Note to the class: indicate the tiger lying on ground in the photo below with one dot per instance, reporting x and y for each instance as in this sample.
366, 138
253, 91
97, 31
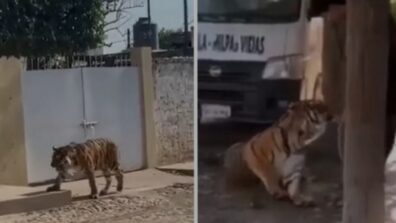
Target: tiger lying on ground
276, 156
92, 155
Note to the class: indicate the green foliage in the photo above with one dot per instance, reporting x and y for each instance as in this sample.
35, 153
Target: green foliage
169, 38
48, 27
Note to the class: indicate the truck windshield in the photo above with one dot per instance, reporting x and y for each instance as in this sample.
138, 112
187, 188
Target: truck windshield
249, 11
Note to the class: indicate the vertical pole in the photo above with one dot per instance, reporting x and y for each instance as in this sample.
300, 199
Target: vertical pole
367, 67
149, 12
128, 39
186, 37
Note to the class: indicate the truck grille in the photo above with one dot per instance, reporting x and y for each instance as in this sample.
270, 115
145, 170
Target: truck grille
230, 71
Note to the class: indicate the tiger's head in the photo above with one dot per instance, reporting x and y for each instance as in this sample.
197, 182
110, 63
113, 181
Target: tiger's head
309, 119
62, 157
315, 110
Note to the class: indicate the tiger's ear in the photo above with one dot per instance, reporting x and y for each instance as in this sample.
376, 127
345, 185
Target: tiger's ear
54, 148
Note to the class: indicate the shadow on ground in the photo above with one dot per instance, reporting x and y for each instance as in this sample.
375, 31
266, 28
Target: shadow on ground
217, 205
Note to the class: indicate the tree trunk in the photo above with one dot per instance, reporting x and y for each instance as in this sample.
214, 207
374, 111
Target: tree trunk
367, 58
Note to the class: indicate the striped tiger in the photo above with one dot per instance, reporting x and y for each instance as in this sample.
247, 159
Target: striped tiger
92, 155
276, 156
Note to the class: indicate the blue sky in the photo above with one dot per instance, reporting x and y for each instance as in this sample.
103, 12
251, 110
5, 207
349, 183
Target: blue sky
165, 13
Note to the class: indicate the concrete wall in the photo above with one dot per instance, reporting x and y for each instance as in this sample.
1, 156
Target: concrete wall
13, 168
174, 109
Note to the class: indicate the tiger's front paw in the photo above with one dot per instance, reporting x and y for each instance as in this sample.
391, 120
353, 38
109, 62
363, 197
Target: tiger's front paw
103, 192
93, 196
280, 194
119, 188
304, 201
53, 188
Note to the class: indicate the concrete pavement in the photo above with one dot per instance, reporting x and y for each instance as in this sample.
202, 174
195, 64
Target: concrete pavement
133, 182
21, 199
186, 168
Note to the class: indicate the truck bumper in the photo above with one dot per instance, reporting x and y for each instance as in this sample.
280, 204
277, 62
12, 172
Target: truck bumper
256, 102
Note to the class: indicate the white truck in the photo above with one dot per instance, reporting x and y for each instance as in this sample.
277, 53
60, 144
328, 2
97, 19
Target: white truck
250, 58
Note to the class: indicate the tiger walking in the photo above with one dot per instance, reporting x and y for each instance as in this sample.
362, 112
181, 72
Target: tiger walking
88, 157
276, 156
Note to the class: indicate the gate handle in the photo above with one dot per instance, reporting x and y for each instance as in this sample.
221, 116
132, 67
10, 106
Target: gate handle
86, 124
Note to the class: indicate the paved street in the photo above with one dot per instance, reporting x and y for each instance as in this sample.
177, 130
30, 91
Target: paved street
150, 196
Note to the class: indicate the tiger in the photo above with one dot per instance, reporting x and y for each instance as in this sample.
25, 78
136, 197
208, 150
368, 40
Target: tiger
275, 156
89, 156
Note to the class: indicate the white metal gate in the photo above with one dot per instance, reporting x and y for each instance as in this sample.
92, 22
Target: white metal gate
75, 104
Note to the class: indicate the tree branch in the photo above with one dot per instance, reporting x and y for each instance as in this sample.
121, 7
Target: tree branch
118, 12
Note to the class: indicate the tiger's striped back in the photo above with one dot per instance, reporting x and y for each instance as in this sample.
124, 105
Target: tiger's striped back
97, 154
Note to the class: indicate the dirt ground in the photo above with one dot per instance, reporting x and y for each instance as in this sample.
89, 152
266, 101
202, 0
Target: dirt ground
217, 205
167, 205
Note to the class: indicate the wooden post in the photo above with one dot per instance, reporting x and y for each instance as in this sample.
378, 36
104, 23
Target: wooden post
334, 59
367, 57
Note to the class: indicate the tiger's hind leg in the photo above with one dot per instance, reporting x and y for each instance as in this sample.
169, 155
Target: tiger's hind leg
267, 174
270, 179
92, 184
272, 184
120, 179
107, 176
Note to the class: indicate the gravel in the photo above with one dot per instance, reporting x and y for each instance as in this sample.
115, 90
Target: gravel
170, 204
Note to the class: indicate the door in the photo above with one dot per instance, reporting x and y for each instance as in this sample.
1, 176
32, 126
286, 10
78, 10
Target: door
113, 105
53, 110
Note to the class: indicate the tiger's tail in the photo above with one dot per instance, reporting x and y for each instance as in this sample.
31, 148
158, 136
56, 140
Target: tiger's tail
224, 159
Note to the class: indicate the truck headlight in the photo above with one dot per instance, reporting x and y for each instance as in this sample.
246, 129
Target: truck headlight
283, 67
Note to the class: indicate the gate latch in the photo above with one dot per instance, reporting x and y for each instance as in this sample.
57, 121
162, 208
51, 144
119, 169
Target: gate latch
87, 124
